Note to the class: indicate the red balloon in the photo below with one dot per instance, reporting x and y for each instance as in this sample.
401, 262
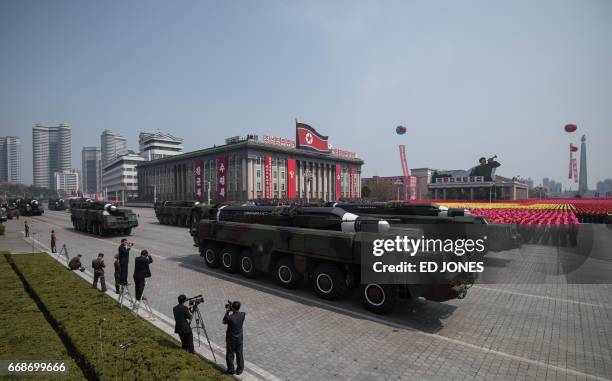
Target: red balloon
570, 128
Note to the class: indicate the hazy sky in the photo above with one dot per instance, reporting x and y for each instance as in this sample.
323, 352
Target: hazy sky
468, 78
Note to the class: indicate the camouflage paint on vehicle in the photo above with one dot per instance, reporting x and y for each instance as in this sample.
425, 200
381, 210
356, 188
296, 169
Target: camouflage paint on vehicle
174, 212
101, 218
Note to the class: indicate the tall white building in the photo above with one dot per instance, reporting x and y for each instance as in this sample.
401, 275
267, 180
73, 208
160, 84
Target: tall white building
120, 179
112, 146
68, 182
10, 159
91, 170
51, 152
157, 145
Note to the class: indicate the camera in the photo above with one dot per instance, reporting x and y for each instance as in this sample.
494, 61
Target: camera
195, 300
228, 306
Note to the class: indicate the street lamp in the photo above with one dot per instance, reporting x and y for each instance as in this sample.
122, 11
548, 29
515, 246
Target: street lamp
398, 182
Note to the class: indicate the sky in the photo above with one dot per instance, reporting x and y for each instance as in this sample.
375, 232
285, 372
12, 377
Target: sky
467, 78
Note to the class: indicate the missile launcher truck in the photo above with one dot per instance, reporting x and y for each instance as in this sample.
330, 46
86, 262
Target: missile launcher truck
29, 207
56, 204
101, 217
317, 245
174, 212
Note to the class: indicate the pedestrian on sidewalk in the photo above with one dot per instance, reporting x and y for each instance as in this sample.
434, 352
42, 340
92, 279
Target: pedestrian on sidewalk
53, 242
117, 266
26, 227
98, 266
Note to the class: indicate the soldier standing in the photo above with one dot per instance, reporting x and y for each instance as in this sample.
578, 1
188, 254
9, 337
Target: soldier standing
98, 266
53, 242
117, 266
26, 227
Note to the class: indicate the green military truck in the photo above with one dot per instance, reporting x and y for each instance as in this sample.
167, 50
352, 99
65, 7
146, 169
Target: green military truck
29, 207
317, 245
174, 212
55, 203
101, 217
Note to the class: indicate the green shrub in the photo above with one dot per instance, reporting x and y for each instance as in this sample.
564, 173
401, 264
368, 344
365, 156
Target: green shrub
77, 307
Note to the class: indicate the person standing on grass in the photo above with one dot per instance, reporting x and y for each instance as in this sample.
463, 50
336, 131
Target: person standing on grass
53, 242
98, 266
26, 227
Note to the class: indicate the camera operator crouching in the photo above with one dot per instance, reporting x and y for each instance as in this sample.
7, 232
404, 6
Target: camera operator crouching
233, 336
182, 318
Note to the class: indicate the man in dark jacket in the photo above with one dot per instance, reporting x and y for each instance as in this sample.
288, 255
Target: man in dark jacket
141, 272
233, 337
485, 169
117, 267
182, 318
124, 259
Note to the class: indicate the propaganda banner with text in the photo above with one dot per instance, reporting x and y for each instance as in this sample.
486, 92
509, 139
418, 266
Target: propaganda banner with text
308, 138
199, 186
291, 178
352, 182
222, 178
338, 182
268, 176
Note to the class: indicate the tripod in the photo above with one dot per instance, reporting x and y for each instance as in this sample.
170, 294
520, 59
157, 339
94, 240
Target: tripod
199, 325
63, 252
145, 303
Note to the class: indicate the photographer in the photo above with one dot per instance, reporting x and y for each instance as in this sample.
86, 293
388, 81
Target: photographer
233, 337
182, 318
141, 272
75, 263
124, 259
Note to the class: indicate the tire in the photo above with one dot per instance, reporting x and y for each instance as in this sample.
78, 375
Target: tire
103, 231
74, 224
210, 252
247, 264
230, 259
286, 274
378, 298
328, 282
128, 231
186, 221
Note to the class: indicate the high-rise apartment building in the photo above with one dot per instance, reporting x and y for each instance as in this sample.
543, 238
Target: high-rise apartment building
68, 182
91, 170
10, 159
157, 145
112, 146
51, 152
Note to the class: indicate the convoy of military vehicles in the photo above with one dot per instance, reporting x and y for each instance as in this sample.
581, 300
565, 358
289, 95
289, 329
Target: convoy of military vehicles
56, 204
101, 217
174, 212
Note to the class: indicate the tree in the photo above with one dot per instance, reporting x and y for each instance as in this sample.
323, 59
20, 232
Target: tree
382, 191
365, 191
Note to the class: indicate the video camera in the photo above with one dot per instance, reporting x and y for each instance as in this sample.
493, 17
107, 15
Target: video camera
228, 305
195, 300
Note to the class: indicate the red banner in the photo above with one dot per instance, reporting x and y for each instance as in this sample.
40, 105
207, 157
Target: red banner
291, 178
338, 182
221, 178
199, 183
268, 176
352, 180
309, 139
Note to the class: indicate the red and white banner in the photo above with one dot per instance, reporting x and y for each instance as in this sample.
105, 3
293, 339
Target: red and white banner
338, 182
352, 181
222, 178
199, 183
268, 176
291, 178
308, 138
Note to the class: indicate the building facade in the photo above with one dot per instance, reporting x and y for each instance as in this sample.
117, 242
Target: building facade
112, 146
91, 170
247, 169
475, 188
68, 182
51, 152
120, 179
156, 145
10, 159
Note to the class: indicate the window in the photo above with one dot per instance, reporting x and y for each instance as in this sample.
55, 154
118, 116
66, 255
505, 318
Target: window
259, 186
283, 175
275, 174
258, 173
275, 187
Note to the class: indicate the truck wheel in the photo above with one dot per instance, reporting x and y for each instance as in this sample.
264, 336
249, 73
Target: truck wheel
74, 224
128, 231
378, 298
286, 274
186, 221
210, 252
328, 282
247, 264
103, 231
230, 259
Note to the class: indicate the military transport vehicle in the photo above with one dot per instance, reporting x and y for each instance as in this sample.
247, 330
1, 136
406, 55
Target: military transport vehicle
174, 212
29, 207
319, 245
56, 204
101, 217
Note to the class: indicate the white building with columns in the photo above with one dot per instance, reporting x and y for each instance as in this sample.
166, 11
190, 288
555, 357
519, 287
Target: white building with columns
249, 169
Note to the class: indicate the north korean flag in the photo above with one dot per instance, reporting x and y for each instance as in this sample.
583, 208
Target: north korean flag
309, 139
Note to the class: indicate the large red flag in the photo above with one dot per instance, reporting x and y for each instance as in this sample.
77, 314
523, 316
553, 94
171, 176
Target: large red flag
291, 178
338, 178
268, 176
309, 139
222, 178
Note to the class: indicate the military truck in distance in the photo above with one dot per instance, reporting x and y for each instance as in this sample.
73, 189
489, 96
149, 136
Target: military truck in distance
29, 207
56, 204
322, 245
101, 217
174, 212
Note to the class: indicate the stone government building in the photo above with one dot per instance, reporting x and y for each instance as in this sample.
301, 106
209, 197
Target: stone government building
247, 169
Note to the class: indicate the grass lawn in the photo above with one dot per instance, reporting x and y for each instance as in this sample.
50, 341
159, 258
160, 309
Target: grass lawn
24, 332
77, 307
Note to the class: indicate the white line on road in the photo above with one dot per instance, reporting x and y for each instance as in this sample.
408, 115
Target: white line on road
538, 296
